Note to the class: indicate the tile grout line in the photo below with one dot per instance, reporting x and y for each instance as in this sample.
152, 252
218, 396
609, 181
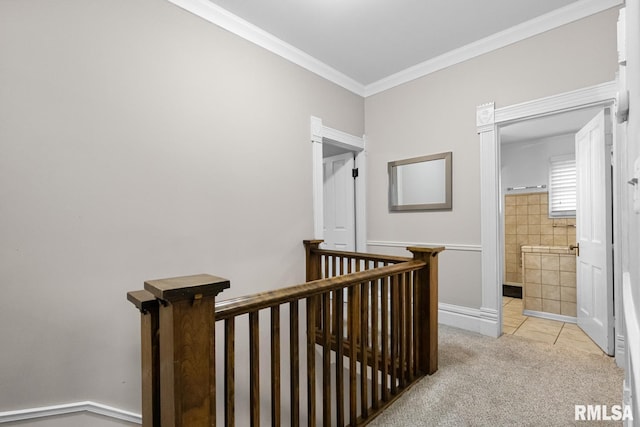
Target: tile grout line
559, 332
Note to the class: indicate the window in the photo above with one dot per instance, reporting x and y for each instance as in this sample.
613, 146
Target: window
562, 186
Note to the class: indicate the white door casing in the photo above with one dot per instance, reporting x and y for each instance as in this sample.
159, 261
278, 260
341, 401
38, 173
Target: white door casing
323, 134
488, 121
339, 202
594, 231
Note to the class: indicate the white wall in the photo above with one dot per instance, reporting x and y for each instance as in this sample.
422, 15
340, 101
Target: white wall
436, 113
137, 142
631, 219
526, 163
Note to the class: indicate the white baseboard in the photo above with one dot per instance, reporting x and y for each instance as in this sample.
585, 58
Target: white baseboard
550, 316
632, 323
483, 321
70, 408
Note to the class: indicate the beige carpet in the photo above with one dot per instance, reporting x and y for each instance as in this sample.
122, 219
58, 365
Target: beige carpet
508, 381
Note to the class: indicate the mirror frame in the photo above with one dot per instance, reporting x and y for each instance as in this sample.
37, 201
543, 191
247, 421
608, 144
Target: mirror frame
392, 168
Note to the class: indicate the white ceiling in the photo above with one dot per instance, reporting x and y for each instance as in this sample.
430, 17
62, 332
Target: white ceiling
548, 126
369, 40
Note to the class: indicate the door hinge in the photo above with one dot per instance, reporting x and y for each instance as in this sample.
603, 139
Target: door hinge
354, 172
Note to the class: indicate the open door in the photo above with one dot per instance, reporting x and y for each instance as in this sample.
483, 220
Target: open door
339, 202
594, 231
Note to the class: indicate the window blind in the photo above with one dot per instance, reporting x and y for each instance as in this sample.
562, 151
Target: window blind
562, 186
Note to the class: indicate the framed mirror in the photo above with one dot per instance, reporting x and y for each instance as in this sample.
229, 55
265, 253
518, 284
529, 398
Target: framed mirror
421, 183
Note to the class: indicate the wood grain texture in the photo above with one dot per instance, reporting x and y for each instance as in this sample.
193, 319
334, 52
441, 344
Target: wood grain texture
427, 303
311, 360
254, 368
229, 372
275, 366
259, 301
391, 339
150, 355
294, 360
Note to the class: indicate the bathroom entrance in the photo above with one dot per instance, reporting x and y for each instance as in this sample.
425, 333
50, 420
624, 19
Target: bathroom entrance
541, 211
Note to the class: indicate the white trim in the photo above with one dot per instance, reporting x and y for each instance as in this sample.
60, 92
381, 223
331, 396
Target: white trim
490, 200
317, 177
632, 323
550, 316
213, 13
565, 15
70, 408
447, 246
342, 139
209, 11
320, 134
576, 99
361, 199
482, 320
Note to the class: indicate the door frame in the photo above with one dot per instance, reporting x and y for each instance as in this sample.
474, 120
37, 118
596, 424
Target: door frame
488, 121
320, 135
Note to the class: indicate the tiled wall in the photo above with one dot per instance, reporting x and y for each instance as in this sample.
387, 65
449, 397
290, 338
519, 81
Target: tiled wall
549, 279
527, 223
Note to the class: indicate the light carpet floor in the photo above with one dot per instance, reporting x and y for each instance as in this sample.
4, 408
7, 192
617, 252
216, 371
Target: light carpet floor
510, 381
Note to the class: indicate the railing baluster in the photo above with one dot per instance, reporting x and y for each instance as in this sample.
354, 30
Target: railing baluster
391, 339
254, 368
311, 361
327, 266
353, 345
375, 352
364, 347
409, 323
394, 334
401, 331
339, 333
275, 366
385, 338
294, 355
229, 372
326, 359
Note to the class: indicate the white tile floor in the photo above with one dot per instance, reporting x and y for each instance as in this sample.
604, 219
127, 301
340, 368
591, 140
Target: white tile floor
552, 332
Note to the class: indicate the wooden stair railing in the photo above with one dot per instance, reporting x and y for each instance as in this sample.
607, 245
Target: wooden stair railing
361, 351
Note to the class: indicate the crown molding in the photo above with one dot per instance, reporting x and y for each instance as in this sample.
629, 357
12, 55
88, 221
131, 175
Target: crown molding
565, 15
213, 13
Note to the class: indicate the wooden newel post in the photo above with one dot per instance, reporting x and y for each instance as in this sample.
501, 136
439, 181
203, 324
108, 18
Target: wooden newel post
314, 264
150, 355
187, 348
427, 303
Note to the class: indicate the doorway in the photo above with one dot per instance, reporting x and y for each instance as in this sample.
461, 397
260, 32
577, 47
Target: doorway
539, 177
339, 204
488, 121
326, 143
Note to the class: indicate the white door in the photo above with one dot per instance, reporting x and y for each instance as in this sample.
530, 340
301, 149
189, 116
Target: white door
594, 231
339, 202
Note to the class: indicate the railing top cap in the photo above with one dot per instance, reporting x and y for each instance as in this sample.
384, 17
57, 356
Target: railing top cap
426, 248
143, 300
186, 287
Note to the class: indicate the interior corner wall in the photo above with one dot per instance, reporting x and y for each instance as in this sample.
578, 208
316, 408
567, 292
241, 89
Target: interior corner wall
437, 113
138, 141
631, 218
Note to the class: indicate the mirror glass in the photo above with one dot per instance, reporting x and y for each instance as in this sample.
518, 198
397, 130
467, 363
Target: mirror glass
420, 183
